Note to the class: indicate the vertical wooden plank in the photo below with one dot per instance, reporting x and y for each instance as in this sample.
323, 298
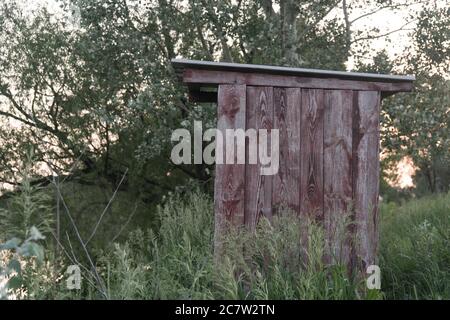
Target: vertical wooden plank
258, 188
229, 181
287, 107
366, 169
311, 158
337, 170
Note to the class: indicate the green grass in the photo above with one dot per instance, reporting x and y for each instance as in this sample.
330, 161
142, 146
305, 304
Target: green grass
174, 259
415, 249
177, 262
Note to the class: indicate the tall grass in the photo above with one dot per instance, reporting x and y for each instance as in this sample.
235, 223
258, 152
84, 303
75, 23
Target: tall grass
280, 260
29, 206
181, 252
415, 249
177, 262
284, 259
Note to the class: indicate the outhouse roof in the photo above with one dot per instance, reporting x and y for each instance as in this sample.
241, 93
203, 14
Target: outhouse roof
182, 64
202, 77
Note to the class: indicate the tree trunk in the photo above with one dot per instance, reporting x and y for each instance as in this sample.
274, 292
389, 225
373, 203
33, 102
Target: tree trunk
289, 37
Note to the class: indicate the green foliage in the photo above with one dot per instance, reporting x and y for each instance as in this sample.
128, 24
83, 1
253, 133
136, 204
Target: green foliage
282, 260
92, 87
18, 253
87, 203
28, 206
92, 90
125, 276
180, 264
417, 124
177, 262
415, 242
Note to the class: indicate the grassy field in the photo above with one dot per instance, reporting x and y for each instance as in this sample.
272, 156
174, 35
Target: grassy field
415, 249
173, 260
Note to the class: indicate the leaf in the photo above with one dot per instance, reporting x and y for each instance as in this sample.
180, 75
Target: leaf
14, 283
35, 234
31, 249
10, 244
14, 265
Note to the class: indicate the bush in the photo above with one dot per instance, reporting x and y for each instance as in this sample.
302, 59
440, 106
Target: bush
15, 254
29, 205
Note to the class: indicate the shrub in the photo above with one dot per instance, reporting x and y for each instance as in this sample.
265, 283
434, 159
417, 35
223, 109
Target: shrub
29, 205
18, 253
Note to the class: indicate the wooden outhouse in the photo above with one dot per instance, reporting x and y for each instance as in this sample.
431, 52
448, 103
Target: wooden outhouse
328, 124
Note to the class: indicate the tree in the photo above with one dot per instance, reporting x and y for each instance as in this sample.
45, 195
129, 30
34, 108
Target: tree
92, 86
100, 94
417, 124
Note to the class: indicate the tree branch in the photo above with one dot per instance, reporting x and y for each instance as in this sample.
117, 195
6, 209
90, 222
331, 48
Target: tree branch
402, 28
390, 6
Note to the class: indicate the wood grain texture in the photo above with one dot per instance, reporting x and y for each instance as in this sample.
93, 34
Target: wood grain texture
180, 64
258, 188
229, 188
337, 170
366, 168
287, 106
311, 157
329, 164
210, 77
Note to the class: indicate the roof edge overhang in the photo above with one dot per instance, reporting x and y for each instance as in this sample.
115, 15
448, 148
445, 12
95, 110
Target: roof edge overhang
202, 77
182, 64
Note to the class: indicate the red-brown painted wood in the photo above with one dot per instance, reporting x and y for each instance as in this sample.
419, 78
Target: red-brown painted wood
366, 170
311, 157
229, 189
329, 148
287, 104
337, 170
258, 188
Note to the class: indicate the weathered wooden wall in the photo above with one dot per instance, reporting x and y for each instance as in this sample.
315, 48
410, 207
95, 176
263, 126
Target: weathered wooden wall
329, 162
